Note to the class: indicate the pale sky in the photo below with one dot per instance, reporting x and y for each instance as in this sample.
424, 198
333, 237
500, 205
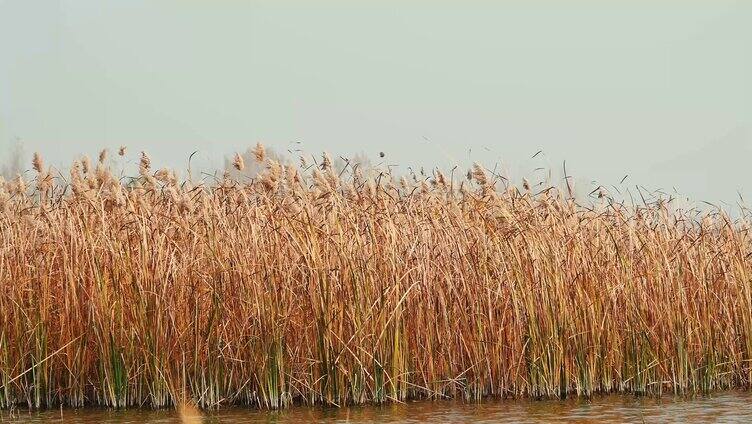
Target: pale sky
659, 90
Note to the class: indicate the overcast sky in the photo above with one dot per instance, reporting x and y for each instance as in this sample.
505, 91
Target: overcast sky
659, 90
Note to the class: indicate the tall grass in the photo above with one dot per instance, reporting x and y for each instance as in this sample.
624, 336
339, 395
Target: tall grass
307, 286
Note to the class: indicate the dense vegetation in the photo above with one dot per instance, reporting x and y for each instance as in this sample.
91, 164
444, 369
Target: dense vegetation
311, 286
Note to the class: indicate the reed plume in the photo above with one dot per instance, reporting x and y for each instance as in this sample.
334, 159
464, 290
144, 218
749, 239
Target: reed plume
144, 164
238, 162
85, 164
37, 163
478, 174
259, 152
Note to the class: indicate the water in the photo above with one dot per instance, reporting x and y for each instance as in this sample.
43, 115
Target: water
727, 407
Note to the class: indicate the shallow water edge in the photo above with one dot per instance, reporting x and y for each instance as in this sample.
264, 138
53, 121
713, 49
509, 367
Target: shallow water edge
731, 406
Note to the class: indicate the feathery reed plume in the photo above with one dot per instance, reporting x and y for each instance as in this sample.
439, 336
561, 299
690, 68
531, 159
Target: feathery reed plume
259, 152
144, 164
44, 182
103, 155
162, 175
19, 185
271, 177
321, 182
238, 162
122, 150
332, 178
166, 176
4, 197
440, 180
37, 163
479, 174
85, 164
77, 180
292, 175
326, 161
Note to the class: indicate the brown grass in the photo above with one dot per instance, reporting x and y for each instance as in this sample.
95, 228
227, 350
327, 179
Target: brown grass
316, 287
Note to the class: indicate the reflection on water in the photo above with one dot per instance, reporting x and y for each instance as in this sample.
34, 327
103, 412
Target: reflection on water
721, 407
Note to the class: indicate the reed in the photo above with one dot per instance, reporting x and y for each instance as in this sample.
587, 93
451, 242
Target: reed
311, 286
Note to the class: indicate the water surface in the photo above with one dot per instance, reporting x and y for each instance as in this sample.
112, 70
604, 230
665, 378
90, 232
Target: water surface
721, 407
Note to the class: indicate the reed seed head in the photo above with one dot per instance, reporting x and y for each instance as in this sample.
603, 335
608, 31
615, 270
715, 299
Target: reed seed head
326, 161
238, 162
85, 164
259, 152
144, 164
479, 174
37, 162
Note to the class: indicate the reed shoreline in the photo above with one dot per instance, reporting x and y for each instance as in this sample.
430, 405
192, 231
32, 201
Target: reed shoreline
316, 287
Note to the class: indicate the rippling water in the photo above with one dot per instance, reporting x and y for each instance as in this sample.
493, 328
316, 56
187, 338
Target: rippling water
721, 407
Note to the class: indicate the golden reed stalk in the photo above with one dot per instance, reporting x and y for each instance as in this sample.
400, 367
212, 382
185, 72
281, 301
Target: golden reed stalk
319, 286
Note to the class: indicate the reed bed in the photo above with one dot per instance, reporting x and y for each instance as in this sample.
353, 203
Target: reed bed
310, 286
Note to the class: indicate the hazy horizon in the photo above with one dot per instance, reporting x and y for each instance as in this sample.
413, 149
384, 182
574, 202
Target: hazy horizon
656, 90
